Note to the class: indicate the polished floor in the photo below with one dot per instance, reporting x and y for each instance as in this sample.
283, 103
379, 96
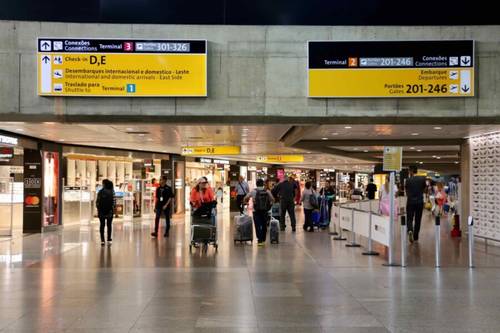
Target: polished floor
66, 282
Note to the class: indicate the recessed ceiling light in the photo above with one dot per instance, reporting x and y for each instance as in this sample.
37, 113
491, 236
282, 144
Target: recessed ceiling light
415, 134
130, 129
412, 148
355, 149
433, 156
420, 162
324, 138
456, 162
335, 133
347, 127
419, 150
437, 128
365, 151
438, 157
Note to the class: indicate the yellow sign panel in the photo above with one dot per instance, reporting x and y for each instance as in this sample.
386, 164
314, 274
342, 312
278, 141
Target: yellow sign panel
280, 158
408, 82
90, 67
210, 150
393, 158
353, 69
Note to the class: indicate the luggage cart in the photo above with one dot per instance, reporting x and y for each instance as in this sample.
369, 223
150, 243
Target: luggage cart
204, 230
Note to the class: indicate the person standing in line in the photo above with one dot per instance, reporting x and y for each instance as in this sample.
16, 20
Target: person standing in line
415, 187
262, 203
329, 192
308, 208
106, 204
286, 192
385, 199
371, 189
164, 197
242, 190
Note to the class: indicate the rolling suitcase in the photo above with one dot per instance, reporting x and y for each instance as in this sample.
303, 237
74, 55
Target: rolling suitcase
274, 231
243, 231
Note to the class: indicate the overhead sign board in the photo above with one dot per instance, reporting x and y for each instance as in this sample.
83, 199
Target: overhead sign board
121, 67
8, 140
391, 69
210, 150
280, 158
393, 158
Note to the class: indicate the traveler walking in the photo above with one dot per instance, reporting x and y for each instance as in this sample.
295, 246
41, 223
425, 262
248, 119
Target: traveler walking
106, 204
286, 192
200, 194
242, 190
164, 197
415, 186
310, 203
262, 203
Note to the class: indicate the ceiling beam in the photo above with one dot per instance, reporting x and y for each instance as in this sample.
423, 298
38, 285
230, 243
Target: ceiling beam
382, 142
333, 151
296, 133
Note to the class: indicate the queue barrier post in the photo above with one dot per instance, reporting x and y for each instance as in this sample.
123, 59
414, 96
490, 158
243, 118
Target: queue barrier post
353, 234
334, 232
340, 237
470, 227
370, 251
438, 241
403, 240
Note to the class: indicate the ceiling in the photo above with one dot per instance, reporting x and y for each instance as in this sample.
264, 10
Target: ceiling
345, 147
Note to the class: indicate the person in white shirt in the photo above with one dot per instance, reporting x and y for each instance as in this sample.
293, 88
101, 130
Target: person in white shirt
242, 189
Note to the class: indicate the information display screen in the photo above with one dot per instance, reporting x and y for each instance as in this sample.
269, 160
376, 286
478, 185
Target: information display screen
122, 67
391, 69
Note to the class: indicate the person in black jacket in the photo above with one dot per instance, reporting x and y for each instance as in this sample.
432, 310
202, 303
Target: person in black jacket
105, 207
164, 197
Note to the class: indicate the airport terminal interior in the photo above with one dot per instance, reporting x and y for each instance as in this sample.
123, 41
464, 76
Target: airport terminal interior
227, 167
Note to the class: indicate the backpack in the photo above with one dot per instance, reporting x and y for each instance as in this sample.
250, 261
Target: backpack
105, 201
262, 201
313, 200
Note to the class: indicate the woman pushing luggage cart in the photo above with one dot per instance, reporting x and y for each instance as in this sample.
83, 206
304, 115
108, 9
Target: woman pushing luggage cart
203, 216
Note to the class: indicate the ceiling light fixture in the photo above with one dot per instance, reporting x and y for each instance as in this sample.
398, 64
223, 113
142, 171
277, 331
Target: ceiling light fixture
419, 150
324, 138
415, 134
335, 133
412, 148
365, 150
437, 128
420, 162
456, 162
438, 157
347, 127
